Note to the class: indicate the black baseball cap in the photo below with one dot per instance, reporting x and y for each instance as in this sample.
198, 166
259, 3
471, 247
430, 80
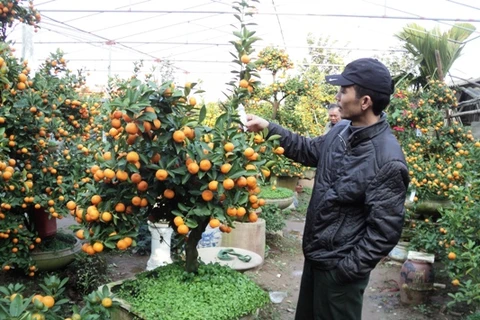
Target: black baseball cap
368, 73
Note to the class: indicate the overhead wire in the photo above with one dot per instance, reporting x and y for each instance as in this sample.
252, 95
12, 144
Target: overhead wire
93, 32
94, 14
310, 14
108, 41
207, 39
77, 36
279, 24
201, 18
42, 3
220, 29
277, 14
420, 17
221, 44
143, 19
463, 4
163, 27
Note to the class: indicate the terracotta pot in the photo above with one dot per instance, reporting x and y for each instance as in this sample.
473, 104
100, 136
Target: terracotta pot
309, 174
45, 225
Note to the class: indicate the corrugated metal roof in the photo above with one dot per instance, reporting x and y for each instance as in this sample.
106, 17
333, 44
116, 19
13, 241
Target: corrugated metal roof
473, 92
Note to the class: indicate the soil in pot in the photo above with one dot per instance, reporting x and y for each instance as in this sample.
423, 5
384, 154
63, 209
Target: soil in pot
56, 252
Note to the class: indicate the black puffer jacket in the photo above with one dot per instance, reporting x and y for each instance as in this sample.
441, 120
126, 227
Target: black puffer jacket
356, 212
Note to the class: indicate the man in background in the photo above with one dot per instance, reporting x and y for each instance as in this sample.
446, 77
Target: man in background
333, 117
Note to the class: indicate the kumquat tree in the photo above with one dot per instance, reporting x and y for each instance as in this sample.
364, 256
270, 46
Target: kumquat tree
159, 154
44, 125
13, 12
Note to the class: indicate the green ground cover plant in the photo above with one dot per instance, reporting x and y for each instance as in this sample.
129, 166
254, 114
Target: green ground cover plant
275, 193
169, 292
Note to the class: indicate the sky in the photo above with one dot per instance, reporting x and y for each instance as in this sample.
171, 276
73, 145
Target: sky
106, 37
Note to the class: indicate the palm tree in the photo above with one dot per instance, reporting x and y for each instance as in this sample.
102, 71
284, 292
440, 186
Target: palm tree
422, 44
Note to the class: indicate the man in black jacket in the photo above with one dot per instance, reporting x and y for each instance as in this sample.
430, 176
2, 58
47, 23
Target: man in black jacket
356, 211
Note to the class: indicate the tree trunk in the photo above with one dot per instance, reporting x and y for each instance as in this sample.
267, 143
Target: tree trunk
191, 247
275, 103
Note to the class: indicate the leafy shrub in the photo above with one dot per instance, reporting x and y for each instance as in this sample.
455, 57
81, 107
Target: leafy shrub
475, 316
144, 240
274, 218
170, 293
307, 190
87, 273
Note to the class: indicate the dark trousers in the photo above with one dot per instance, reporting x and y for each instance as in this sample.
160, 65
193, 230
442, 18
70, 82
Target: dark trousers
323, 298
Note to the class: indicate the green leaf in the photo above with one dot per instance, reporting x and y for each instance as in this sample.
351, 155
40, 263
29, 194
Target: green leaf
239, 174
237, 34
201, 212
191, 223
203, 114
147, 116
274, 137
183, 207
185, 178
109, 244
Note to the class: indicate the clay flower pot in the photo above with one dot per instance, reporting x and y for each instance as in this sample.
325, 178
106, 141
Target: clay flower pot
57, 259
282, 203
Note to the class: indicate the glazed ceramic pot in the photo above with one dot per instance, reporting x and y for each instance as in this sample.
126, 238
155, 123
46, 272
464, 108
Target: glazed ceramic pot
161, 243
416, 281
